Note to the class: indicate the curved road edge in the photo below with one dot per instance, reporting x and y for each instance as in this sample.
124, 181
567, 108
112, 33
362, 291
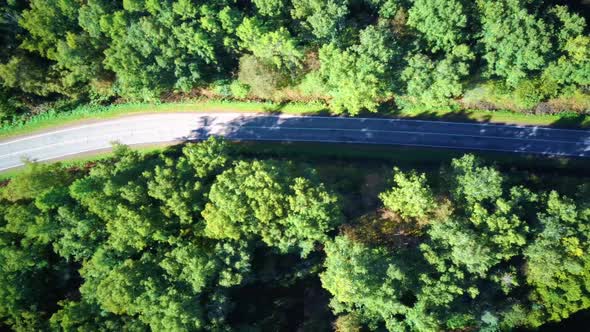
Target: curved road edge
171, 127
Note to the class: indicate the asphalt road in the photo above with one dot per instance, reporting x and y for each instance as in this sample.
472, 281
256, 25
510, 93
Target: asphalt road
157, 128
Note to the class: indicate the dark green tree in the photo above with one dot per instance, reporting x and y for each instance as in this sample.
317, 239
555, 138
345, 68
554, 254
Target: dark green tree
444, 24
516, 40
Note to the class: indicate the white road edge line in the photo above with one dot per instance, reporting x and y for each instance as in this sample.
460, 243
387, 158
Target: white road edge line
311, 129
262, 115
325, 141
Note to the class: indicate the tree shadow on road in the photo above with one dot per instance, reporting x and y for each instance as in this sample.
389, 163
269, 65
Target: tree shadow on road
485, 136
575, 121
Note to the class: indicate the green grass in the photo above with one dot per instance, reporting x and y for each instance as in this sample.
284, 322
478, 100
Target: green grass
407, 156
563, 120
347, 166
92, 113
81, 160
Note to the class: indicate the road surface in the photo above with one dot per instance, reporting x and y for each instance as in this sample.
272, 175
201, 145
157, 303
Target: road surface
168, 127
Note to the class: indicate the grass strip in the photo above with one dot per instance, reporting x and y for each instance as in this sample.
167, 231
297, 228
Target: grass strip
83, 159
52, 118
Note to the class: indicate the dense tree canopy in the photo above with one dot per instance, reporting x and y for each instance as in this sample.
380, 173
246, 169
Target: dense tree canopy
516, 41
268, 200
443, 23
357, 78
491, 257
209, 238
179, 241
135, 236
356, 55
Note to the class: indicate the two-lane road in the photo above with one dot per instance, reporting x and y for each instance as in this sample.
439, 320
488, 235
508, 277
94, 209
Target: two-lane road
168, 127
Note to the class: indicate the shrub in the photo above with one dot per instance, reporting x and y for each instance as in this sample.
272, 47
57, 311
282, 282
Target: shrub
312, 86
347, 323
222, 88
263, 78
239, 90
528, 94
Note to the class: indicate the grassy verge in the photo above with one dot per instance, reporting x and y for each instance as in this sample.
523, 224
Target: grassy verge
361, 172
353, 169
92, 113
563, 120
410, 156
81, 160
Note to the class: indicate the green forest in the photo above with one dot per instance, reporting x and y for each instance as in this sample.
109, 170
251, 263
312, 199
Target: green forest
221, 236
211, 237
354, 55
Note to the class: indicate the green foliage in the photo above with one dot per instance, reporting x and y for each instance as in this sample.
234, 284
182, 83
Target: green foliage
573, 68
411, 197
269, 7
44, 37
369, 280
277, 47
481, 250
176, 242
54, 33
472, 182
9, 28
442, 22
138, 287
83, 316
265, 199
35, 180
172, 242
24, 73
516, 41
207, 159
528, 93
558, 267
359, 77
325, 19
10, 106
434, 84
422, 53
131, 229
260, 78
239, 90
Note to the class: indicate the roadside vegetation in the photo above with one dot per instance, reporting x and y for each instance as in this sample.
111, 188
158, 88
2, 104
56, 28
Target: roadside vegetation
215, 236
219, 236
352, 56
88, 113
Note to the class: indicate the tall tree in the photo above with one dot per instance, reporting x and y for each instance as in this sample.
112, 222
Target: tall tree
435, 83
267, 200
558, 267
444, 24
516, 40
360, 78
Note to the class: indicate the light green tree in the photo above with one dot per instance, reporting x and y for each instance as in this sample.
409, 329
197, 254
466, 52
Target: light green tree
266, 200
276, 47
434, 84
325, 19
411, 197
558, 266
359, 78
